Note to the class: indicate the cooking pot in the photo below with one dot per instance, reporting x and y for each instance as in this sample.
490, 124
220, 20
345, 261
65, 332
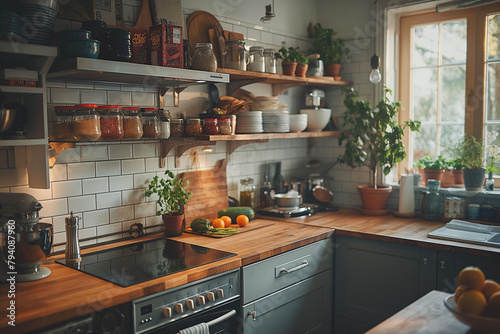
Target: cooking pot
288, 200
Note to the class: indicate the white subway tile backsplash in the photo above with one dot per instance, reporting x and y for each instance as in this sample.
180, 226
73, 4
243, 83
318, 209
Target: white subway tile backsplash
110, 228
93, 96
120, 151
81, 170
64, 189
54, 207
153, 164
109, 200
143, 210
133, 196
108, 168
13, 177
82, 203
86, 233
120, 98
64, 95
70, 155
121, 182
240, 29
142, 180
39, 194
144, 99
121, 214
58, 172
95, 218
253, 34
152, 221
94, 152
147, 150
95, 185
133, 166
106, 86
59, 223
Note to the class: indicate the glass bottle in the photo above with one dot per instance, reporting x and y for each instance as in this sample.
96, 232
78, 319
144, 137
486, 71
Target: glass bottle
490, 183
62, 128
265, 194
236, 56
431, 203
86, 126
256, 61
177, 128
111, 119
247, 192
193, 127
210, 126
132, 123
204, 58
269, 61
150, 123
279, 180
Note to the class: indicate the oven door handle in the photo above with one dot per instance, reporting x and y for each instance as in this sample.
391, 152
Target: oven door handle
217, 320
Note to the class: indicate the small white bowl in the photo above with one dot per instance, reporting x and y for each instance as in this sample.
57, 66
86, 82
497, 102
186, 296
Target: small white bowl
317, 119
298, 122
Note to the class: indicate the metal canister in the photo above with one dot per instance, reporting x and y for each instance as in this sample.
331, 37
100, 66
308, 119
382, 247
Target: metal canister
72, 243
454, 207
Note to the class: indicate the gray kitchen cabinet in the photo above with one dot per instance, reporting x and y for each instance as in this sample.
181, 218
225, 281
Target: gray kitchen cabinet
290, 293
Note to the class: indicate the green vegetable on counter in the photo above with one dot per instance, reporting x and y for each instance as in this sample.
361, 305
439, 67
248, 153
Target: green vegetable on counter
224, 230
200, 225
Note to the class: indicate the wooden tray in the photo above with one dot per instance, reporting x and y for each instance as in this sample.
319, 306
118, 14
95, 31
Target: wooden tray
253, 225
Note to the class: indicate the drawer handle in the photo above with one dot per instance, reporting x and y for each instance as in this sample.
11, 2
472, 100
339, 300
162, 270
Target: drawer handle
285, 271
253, 314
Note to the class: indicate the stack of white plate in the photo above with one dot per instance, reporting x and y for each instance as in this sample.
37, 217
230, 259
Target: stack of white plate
249, 122
276, 120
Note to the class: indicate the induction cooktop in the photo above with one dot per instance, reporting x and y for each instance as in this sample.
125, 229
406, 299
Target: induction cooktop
144, 261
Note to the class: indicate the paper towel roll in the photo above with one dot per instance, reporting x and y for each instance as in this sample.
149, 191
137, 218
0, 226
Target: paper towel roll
406, 194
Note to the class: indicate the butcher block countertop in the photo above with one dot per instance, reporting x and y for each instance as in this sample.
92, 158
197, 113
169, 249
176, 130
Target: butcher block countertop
68, 293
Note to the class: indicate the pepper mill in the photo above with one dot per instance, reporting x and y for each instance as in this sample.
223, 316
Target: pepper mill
72, 243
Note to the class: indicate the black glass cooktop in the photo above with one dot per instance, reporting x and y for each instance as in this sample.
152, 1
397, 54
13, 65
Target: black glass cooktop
143, 261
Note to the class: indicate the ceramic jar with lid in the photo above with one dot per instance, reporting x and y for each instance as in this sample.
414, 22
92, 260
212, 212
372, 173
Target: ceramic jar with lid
210, 126
150, 123
132, 123
269, 61
193, 127
164, 118
62, 127
256, 59
86, 126
204, 58
236, 56
111, 119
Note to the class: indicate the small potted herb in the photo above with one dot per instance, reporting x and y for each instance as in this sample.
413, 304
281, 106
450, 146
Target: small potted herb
330, 48
290, 57
471, 152
432, 168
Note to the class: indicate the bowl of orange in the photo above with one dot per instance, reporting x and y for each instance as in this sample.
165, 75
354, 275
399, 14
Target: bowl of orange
476, 301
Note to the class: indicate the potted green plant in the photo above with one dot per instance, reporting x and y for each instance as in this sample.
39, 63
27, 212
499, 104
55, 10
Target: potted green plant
172, 196
302, 65
432, 168
456, 165
373, 139
330, 48
289, 59
471, 152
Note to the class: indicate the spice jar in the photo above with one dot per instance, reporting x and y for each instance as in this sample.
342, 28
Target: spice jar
150, 123
132, 123
86, 125
62, 128
193, 127
210, 126
270, 61
164, 118
225, 126
111, 119
236, 56
176, 128
204, 58
247, 192
256, 59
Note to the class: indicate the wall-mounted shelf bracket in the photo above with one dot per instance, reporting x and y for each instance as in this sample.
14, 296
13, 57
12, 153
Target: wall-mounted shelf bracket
176, 93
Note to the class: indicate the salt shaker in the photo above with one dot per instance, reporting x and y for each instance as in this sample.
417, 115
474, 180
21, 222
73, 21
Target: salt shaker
72, 243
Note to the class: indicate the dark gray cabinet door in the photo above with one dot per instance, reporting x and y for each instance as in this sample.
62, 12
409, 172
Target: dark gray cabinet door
375, 279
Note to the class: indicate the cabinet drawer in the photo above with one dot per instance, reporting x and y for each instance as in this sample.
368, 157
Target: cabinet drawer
270, 275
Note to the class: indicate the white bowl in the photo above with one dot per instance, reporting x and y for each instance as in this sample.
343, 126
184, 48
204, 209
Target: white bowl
317, 119
298, 122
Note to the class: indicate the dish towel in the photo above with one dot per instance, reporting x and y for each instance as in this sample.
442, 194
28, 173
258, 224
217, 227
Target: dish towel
196, 329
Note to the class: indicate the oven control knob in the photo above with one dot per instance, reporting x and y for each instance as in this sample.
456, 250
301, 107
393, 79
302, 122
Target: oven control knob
220, 293
190, 304
200, 300
178, 308
210, 296
167, 312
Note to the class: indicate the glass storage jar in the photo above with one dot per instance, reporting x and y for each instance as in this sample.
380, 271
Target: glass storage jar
111, 119
256, 59
204, 58
236, 56
150, 123
193, 127
431, 203
86, 126
225, 126
176, 127
210, 126
164, 117
62, 127
132, 123
247, 192
270, 61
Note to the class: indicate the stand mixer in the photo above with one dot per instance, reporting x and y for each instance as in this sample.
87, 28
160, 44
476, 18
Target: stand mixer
25, 243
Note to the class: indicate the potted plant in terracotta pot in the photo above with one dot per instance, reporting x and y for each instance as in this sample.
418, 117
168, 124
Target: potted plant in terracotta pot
302, 65
373, 139
456, 165
172, 196
471, 151
288, 58
331, 50
432, 168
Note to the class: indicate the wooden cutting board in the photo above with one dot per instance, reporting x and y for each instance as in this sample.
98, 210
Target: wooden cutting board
198, 25
253, 225
208, 190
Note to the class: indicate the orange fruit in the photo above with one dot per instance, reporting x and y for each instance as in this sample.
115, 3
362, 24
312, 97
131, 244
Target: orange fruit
472, 278
227, 221
472, 302
218, 223
489, 288
242, 220
493, 306
458, 292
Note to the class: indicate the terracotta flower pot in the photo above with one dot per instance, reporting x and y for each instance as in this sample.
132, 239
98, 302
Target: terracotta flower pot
289, 68
332, 70
432, 174
301, 70
458, 176
173, 224
374, 200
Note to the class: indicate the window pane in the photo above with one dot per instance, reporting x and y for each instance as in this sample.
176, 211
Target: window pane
450, 134
425, 45
424, 98
453, 93
493, 37
454, 43
493, 92
424, 142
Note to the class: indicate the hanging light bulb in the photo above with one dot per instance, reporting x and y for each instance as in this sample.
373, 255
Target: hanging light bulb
375, 75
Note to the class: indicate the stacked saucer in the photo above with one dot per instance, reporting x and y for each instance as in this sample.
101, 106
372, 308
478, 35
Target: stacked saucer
249, 122
39, 20
10, 25
276, 120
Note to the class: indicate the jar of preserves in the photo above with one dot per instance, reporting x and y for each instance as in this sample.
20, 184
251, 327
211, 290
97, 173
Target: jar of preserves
256, 59
210, 126
164, 117
62, 127
236, 56
150, 123
204, 58
87, 126
225, 126
132, 123
270, 61
193, 127
176, 128
111, 119
247, 192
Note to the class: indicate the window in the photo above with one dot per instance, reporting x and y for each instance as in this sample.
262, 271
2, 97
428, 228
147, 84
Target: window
450, 77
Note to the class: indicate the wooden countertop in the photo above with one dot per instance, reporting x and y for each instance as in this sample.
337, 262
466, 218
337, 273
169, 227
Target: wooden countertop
426, 315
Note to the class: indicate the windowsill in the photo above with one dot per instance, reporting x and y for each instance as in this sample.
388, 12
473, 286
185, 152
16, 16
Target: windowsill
450, 191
